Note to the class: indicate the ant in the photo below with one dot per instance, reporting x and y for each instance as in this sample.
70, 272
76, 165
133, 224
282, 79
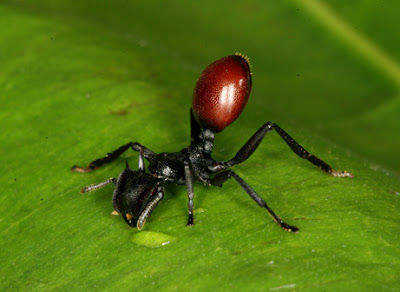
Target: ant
219, 97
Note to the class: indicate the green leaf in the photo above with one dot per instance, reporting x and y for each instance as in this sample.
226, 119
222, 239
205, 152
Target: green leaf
78, 80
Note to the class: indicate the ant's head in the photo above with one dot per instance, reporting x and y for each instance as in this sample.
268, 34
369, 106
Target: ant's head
133, 193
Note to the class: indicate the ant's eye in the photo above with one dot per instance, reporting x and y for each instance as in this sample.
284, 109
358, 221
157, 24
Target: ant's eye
221, 92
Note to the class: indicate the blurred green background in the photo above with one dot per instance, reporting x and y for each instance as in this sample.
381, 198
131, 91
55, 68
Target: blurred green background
79, 79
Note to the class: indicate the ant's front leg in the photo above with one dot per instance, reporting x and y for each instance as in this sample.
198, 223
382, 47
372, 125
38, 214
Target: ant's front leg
247, 150
222, 177
110, 157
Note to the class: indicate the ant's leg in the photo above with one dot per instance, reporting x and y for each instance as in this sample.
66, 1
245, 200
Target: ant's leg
98, 185
222, 177
110, 157
251, 145
189, 185
149, 208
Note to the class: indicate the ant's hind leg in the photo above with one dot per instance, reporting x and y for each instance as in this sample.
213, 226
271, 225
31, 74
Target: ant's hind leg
110, 157
251, 145
222, 177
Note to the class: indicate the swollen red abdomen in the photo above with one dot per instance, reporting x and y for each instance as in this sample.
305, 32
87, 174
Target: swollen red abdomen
221, 92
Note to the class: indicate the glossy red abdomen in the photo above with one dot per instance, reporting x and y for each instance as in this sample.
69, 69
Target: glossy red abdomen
221, 92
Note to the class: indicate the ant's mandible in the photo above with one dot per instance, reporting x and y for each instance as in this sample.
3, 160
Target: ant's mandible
219, 97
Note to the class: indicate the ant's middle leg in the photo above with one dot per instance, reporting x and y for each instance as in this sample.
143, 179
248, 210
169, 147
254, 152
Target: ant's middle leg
222, 177
247, 150
189, 185
110, 157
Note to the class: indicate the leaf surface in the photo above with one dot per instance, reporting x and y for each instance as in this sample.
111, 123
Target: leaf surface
78, 80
